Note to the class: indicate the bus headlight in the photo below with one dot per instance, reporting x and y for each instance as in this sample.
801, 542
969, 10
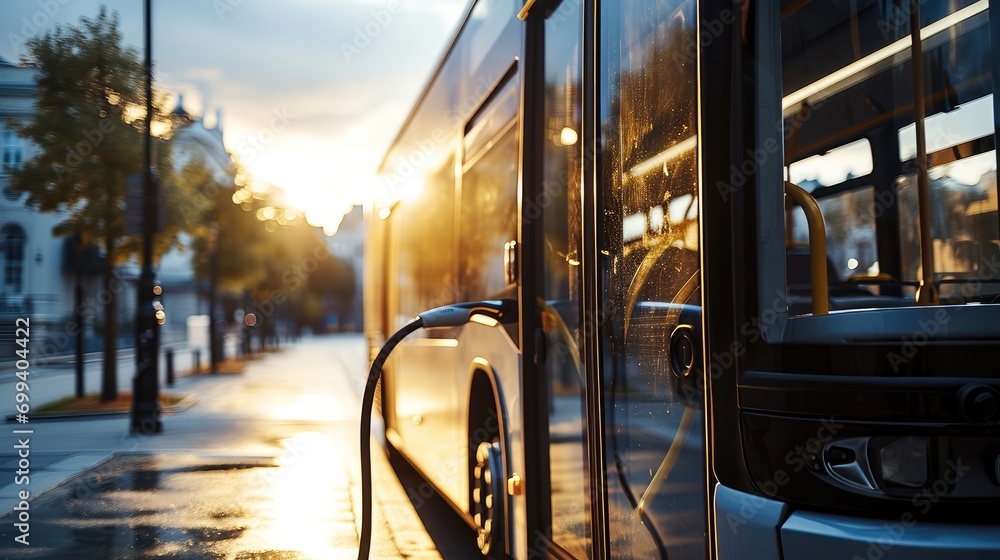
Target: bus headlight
904, 462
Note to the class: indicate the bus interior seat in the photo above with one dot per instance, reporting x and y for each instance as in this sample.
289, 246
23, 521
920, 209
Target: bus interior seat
843, 294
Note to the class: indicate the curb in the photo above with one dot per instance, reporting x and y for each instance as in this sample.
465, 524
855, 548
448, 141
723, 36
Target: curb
58, 480
180, 406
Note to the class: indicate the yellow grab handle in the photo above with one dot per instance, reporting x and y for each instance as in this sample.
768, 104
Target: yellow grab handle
817, 247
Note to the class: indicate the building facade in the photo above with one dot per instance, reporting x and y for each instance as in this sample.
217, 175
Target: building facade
39, 271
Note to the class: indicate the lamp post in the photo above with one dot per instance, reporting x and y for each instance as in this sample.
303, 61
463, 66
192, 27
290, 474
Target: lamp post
78, 314
213, 296
149, 312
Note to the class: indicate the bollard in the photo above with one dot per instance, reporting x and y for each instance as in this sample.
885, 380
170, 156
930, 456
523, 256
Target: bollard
169, 354
196, 358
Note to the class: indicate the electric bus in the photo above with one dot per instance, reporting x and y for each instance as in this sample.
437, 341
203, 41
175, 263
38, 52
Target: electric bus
754, 250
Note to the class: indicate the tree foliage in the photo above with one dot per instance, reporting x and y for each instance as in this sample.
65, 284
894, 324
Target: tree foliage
86, 125
239, 240
264, 252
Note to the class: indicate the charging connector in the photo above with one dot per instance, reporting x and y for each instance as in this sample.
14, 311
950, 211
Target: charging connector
461, 313
502, 311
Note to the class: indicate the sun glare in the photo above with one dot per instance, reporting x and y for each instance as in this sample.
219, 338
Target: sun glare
294, 520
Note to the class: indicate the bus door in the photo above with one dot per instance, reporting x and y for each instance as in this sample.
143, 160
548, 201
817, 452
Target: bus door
649, 280
555, 202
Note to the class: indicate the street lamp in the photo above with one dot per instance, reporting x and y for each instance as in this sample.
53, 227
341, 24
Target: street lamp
213, 296
78, 313
149, 312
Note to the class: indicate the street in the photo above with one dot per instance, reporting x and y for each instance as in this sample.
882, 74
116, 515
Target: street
263, 465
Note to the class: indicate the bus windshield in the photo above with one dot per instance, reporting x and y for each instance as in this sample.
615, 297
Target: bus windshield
863, 126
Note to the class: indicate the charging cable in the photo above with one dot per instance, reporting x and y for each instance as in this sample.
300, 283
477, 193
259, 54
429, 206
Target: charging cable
501, 311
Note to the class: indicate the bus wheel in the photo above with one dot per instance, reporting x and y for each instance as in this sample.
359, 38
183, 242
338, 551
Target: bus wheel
488, 499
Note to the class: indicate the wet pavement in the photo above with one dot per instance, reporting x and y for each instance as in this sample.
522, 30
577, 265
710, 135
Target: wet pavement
264, 466
176, 506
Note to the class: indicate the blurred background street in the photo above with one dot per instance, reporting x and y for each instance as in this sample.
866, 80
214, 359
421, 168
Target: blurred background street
181, 222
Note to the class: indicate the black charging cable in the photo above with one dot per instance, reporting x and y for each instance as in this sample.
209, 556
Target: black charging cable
501, 311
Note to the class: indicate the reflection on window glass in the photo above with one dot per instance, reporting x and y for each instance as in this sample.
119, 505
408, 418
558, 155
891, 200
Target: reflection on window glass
484, 127
486, 24
651, 267
426, 262
488, 219
569, 476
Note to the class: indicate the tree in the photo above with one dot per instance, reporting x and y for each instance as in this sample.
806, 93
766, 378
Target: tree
334, 280
241, 242
268, 253
88, 124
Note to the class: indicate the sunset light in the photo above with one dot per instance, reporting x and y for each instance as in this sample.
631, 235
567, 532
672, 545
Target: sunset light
500, 279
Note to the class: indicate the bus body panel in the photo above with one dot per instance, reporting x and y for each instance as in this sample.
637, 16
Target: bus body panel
748, 524
425, 382
820, 536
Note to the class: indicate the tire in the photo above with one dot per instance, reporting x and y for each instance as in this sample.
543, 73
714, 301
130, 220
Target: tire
489, 492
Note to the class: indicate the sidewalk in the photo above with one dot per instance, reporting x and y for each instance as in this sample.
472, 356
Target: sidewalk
264, 463
52, 379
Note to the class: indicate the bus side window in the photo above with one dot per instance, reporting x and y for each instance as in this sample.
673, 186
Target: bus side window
488, 203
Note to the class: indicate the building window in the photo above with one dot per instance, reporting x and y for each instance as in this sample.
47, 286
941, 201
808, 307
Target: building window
12, 154
12, 241
13, 151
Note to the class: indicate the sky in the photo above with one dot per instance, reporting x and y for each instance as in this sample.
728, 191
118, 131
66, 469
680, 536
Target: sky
341, 76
